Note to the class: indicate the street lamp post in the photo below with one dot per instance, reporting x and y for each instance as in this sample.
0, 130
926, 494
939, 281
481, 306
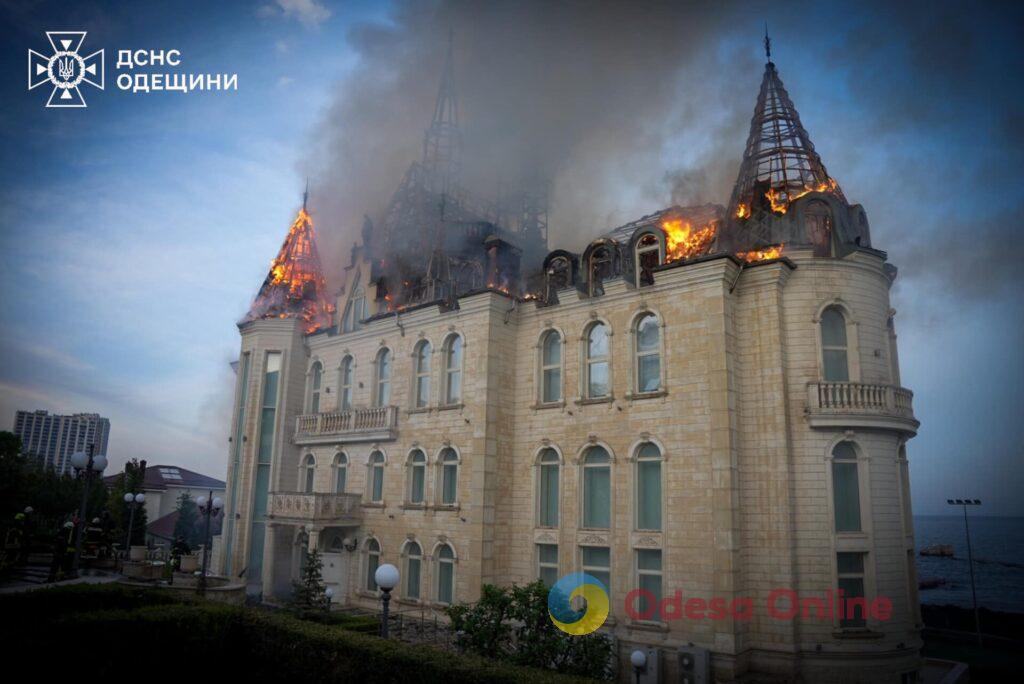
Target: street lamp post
86, 464
133, 501
209, 506
328, 597
386, 578
970, 558
639, 661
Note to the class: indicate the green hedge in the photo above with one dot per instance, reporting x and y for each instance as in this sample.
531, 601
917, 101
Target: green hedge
99, 634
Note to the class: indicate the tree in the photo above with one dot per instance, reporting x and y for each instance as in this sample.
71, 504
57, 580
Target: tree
309, 593
512, 624
187, 526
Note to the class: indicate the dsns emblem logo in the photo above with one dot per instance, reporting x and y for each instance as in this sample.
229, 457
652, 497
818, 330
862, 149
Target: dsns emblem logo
65, 69
578, 622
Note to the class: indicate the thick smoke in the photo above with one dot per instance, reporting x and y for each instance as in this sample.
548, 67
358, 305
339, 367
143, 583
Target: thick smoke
624, 108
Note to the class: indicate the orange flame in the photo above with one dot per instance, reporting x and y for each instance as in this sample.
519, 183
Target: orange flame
743, 211
780, 203
683, 242
773, 252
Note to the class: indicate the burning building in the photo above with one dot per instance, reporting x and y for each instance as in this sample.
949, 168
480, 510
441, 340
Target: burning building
705, 400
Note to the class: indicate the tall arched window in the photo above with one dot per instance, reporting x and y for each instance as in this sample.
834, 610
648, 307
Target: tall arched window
413, 569
449, 476
355, 310
551, 367
647, 334
596, 372
453, 370
375, 476
340, 472
648, 256
845, 488
345, 385
648, 487
597, 488
547, 488
416, 476
316, 378
421, 364
599, 268
445, 574
833, 345
308, 473
818, 219
372, 562
382, 396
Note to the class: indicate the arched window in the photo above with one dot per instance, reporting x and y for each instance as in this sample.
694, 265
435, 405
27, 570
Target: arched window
445, 574
340, 472
453, 370
596, 372
597, 488
416, 476
449, 476
599, 268
421, 364
316, 378
559, 273
309, 473
833, 345
372, 562
336, 544
382, 396
551, 367
375, 476
345, 385
894, 358
648, 487
845, 488
648, 256
547, 488
647, 334
818, 219
413, 569
355, 310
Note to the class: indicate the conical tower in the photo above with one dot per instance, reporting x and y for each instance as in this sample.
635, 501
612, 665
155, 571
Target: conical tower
779, 162
295, 286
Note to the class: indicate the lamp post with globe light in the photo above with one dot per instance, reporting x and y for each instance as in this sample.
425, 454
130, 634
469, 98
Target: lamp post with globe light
209, 506
638, 659
87, 465
386, 578
133, 501
328, 596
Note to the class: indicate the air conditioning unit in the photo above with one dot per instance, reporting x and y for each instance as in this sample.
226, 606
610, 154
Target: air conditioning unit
694, 665
651, 673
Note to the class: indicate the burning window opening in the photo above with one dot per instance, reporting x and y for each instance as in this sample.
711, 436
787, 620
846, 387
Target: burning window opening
682, 241
765, 254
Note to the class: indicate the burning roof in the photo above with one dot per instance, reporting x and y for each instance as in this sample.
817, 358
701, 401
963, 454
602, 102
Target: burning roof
295, 286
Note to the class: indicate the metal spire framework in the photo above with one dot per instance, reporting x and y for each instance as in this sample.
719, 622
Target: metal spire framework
442, 141
295, 286
779, 162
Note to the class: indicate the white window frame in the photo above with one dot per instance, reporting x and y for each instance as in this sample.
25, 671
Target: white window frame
583, 485
541, 564
379, 381
641, 249
340, 472
438, 561
634, 332
411, 465
852, 342
543, 367
655, 617
345, 388
590, 569
308, 473
440, 477
371, 465
637, 460
539, 485
364, 582
316, 382
589, 361
448, 371
421, 376
407, 573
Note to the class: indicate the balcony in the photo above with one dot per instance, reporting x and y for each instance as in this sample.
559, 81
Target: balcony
378, 424
860, 404
315, 509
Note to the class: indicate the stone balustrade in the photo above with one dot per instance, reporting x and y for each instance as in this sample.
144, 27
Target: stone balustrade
378, 423
315, 508
860, 404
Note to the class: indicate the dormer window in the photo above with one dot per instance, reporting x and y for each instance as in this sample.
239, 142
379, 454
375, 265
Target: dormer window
600, 267
648, 256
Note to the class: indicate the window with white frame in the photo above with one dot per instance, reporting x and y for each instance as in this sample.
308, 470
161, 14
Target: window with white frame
316, 378
421, 366
309, 473
648, 487
846, 488
453, 370
547, 488
547, 564
850, 581
596, 561
551, 367
449, 465
416, 476
340, 472
647, 336
834, 345
648, 256
648, 580
345, 385
413, 569
597, 490
382, 395
372, 562
445, 574
596, 362
375, 476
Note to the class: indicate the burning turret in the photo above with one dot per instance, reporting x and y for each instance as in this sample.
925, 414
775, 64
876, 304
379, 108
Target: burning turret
295, 286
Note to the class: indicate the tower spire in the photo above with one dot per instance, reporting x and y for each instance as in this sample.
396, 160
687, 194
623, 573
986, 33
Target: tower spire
767, 44
779, 162
442, 141
305, 194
